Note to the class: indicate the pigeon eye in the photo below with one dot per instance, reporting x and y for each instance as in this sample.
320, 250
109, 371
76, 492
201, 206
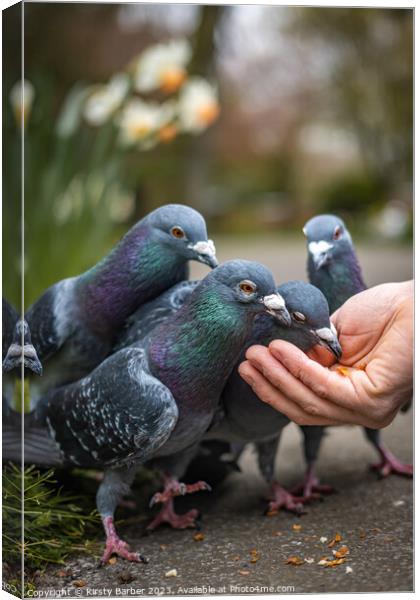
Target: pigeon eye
299, 317
178, 233
337, 233
247, 287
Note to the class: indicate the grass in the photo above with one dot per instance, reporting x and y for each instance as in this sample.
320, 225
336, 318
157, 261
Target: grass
56, 524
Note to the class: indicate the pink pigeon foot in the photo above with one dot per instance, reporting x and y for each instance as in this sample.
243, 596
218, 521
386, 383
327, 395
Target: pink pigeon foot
175, 488
168, 515
281, 498
390, 464
310, 488
115, 545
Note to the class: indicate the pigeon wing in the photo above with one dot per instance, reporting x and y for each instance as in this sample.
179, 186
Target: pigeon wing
49, 320
153, 313
117, 415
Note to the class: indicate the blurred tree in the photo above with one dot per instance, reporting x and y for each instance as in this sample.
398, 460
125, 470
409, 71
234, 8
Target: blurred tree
197, 156
368, 85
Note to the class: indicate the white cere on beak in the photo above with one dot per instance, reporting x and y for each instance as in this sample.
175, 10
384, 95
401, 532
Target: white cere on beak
29, 351
327, 334
207, 248
319, 248
274, 302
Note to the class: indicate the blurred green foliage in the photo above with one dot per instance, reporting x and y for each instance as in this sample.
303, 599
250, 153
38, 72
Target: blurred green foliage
70, 185
351, 192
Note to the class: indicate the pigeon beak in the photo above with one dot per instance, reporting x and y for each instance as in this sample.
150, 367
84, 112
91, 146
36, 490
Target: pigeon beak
13, 359
31, 360
276, 307
205, 253
327, 337
321, 253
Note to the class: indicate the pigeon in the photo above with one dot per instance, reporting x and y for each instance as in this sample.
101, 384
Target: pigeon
157, 397
245, 418
334, 268
16, 349
74, 323
301, 299
21, 351
153, 313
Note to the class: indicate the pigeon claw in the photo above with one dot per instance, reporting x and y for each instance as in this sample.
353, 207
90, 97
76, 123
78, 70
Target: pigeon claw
392, 467
169, 516
175, 488
114, 545
310, 489
281, 498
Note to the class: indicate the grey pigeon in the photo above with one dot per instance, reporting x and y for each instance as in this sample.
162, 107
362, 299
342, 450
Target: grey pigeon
244, 417
153, 313
157, 397
334, 268
21, 351
74, 323
16, 348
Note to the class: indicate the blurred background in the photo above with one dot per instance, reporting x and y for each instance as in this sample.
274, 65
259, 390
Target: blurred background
260, 117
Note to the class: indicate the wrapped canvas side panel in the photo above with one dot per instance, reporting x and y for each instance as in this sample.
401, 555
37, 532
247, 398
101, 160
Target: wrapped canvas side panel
12, 397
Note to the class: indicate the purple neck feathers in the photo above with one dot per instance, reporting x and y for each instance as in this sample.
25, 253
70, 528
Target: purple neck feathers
135, 271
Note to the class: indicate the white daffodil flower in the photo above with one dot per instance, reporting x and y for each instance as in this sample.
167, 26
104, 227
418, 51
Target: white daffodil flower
105, 100
162, 66
21, 98
140, 121
198, 105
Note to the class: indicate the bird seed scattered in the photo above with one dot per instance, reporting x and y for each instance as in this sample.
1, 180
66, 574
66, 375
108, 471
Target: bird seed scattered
344, 371
171, 573
334, 540
341, 552
296, 561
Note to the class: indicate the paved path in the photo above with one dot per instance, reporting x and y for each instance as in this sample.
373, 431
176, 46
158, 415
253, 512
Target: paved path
374, 518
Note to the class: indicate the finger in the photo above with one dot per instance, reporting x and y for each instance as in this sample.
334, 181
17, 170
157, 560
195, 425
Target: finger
354, 390
297, 392
270, 395
325, 383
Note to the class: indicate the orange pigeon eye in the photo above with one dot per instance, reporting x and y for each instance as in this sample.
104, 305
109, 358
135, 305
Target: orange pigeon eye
178, 233
299, 317
337, 233
247, 287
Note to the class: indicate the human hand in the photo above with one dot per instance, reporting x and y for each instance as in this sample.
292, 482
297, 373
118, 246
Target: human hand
375, 375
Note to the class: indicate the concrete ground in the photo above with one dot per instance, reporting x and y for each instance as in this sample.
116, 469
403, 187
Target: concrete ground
246, 552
